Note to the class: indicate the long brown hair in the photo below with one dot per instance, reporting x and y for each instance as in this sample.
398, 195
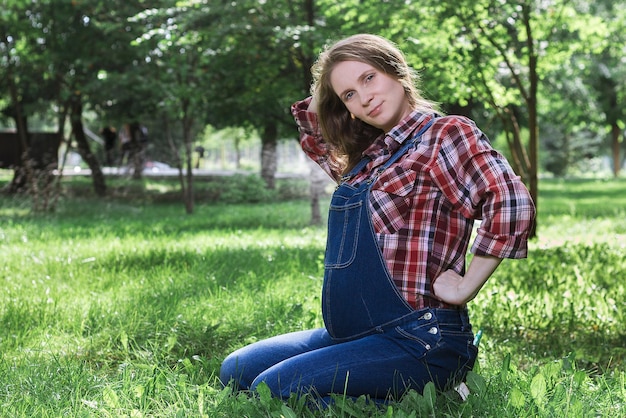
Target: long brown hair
349, 136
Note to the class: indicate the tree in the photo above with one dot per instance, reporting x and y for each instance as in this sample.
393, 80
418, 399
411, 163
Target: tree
176, 63
59, 40
509, 47
126, 91
258, 63
186, 64
567, 98
27, 88
67, 36
607, 74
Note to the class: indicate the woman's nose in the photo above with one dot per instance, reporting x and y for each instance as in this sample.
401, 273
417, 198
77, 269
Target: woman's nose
366, 98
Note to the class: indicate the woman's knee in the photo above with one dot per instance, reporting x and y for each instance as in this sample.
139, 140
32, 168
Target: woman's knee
232, 372
247, 363
227, 370
279, 388
242, 366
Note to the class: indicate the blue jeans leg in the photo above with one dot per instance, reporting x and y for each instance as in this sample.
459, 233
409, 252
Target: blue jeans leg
244, 365
381, 365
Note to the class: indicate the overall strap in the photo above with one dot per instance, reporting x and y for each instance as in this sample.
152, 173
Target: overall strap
357, 168
366, 159
400, 152
408, 144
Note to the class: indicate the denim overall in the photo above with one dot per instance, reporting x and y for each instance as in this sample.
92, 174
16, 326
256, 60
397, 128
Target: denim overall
359, 296
373, 341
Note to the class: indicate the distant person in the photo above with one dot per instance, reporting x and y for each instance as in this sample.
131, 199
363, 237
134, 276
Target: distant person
140, 138
411, 182
200, 150
126, 144
110, 138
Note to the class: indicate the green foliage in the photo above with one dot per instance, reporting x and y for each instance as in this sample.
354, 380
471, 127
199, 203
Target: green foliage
218, 189
126, 308
180, 65
250, 188
241, 188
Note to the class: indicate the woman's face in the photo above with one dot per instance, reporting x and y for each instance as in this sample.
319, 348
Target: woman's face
369, 94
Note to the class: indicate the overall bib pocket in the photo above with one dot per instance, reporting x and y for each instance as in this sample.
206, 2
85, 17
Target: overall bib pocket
343, 235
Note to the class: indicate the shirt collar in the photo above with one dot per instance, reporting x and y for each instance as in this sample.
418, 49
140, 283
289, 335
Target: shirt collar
397, 135
407, 126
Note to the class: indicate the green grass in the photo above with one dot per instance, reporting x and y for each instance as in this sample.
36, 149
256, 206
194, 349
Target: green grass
126, 306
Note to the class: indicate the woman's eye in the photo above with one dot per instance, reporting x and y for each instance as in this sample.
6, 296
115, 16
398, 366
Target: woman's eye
348, 95
369, 77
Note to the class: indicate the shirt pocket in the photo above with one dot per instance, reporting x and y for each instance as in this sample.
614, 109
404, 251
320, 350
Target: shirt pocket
392, 200
396, 181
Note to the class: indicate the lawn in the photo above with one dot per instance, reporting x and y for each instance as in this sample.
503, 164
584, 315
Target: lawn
125, 306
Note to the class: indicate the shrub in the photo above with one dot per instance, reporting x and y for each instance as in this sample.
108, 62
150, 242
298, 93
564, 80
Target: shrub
239, 188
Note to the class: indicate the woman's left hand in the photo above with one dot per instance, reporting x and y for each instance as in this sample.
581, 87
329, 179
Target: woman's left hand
447, 287
455, 289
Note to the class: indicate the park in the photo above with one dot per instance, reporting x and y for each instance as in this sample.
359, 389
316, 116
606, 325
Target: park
127, 307
131, 269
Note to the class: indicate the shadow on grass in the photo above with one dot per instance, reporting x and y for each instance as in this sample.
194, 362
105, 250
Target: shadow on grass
560, 300
204, 303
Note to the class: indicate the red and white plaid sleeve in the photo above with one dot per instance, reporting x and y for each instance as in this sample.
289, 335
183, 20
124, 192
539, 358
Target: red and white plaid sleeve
481, 184
311, 139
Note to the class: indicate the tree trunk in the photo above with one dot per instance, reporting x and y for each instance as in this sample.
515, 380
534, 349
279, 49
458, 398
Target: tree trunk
184, 164
237, 143
188, 141
22, 175
533, 125
99, 183
519, 157
617, 161
269, 156
318, 180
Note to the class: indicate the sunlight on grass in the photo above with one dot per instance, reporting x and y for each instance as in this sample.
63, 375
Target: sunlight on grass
566, 229
13, 212
115, 309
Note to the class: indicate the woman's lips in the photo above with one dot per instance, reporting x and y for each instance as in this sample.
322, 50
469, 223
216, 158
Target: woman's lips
375, 111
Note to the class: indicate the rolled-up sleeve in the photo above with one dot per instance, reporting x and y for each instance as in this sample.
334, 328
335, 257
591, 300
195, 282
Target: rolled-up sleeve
508, 214
480, 183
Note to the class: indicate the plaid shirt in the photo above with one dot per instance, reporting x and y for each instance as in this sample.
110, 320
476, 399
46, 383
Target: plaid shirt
424, 205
